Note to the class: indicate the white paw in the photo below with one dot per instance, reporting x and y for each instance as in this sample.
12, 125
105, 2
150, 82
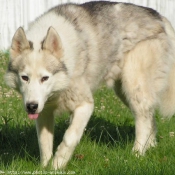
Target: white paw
59, 163
140, 149
45, 160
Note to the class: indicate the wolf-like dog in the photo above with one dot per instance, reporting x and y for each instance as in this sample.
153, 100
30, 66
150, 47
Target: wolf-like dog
67, 52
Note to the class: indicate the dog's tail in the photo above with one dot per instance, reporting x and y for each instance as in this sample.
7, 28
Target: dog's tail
167, 103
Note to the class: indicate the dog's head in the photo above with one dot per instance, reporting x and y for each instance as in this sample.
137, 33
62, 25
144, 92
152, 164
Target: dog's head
36, 73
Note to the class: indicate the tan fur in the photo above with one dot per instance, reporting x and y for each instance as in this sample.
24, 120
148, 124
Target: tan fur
167, 102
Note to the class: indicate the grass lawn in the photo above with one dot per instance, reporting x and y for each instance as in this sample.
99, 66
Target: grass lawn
105, 148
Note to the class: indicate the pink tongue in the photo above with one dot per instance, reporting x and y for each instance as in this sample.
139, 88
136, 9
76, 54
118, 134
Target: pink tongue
33, 116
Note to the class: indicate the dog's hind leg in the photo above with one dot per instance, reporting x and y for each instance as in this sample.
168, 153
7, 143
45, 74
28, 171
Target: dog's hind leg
73, 134
142, 122
143, 78
142, 105
45, 131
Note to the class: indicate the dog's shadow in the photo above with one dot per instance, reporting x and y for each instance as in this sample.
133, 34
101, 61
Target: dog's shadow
100, 131
105, 132
22, 142
18, 142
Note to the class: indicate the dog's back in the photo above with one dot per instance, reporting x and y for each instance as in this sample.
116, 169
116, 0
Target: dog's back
106, 31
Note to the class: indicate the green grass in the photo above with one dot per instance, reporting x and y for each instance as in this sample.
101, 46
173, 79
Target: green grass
105, 148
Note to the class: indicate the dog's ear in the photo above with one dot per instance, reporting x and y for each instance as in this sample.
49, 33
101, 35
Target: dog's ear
53, 43
19, 43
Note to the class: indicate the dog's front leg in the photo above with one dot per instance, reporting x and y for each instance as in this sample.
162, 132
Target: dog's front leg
73, 134
45, 130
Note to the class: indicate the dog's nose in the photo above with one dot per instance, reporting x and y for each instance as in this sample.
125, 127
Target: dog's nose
31, 107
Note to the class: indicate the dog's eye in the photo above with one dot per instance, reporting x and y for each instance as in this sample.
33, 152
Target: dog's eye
44, 79
25, 78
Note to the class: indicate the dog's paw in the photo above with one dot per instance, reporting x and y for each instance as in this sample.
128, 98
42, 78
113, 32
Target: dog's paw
59, 163
140, 149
